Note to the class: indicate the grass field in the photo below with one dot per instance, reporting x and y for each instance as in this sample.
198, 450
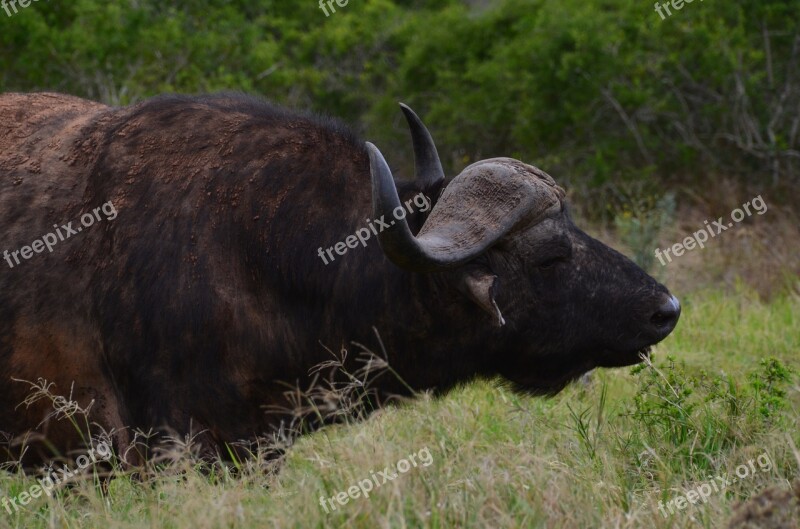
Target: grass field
602, 454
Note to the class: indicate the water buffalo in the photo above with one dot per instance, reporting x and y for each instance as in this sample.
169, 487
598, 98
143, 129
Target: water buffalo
205, 296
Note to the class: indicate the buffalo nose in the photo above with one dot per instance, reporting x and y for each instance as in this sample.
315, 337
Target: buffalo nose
666, 317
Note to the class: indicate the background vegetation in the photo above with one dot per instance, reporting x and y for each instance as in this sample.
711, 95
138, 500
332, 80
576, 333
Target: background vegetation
652, 125
597, 91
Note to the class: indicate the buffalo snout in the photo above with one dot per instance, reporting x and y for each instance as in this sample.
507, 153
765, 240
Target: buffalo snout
665, 318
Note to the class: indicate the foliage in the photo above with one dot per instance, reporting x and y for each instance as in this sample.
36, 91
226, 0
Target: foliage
769, 386
640, 222
593, 91
704, 414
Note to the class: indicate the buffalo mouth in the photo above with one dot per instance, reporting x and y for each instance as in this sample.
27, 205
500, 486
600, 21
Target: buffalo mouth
549, 378
609, 358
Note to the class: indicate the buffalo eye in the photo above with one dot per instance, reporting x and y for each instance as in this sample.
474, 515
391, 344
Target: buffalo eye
551, 262
559, 252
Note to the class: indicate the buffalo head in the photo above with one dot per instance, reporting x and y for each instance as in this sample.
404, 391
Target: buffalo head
561, 301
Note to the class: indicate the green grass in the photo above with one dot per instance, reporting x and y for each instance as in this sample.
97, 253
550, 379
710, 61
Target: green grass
601, 455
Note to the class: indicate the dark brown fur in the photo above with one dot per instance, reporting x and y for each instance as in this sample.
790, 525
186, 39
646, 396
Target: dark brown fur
195, 307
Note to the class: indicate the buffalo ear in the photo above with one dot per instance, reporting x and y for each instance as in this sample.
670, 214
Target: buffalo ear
479, 285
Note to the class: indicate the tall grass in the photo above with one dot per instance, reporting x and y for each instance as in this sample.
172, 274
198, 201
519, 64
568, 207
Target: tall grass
722, 390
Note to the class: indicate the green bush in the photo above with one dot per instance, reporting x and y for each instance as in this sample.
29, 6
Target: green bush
703, 415
640, 223
593, 91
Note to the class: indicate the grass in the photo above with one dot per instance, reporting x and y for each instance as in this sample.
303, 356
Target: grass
719, 393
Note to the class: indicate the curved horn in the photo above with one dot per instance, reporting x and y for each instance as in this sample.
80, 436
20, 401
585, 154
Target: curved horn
476, 209
397, 242
428, 167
